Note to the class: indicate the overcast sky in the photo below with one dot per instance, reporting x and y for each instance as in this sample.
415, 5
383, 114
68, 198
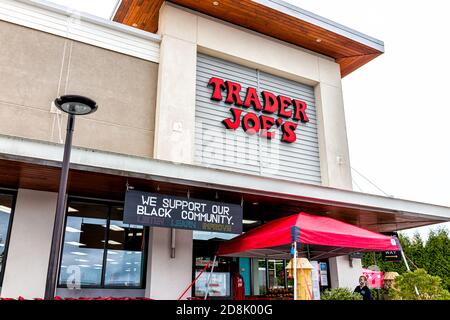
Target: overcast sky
397, 106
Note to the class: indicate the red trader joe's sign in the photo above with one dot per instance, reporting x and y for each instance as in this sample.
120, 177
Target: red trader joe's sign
277, 112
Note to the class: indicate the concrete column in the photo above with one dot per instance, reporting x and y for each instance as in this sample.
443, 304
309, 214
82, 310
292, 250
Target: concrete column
333, 144
29, 246
168, 277
175, 103
343, 275
334, 156
174, 141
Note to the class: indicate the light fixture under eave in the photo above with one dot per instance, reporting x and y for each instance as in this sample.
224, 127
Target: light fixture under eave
113, 227
215, 3
5, 209
73, 230
75, 243
245, 221
112, 242
70, 209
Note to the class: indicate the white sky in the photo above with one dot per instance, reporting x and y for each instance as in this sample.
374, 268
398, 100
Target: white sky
397, 106
100, 8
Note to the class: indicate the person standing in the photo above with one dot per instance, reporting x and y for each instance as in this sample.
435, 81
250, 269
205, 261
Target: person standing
363, 289
238, 285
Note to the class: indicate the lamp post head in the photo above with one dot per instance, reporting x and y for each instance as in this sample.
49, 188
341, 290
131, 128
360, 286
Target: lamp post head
76, 105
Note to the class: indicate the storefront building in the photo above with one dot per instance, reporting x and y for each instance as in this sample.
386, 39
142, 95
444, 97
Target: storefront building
239, 104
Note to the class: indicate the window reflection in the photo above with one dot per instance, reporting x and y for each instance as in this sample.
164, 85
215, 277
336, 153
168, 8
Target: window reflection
125, 247
84, 244
99, 250
6, 203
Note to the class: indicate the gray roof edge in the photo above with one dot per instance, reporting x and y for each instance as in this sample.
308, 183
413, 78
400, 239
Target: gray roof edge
83, 16
114, 163
322, 22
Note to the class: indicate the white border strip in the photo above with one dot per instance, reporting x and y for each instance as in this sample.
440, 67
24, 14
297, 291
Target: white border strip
322, 22
113, 163
64, 22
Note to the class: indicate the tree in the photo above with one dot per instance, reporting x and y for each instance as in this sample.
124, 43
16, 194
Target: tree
432, 255
437, 253
429, 287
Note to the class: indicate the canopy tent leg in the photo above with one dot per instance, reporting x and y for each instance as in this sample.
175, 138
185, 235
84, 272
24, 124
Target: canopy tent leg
295, 270
209, 278
408, 268
192, 283
405, 261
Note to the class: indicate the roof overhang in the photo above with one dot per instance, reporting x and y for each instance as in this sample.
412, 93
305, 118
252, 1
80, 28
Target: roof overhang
35, 165
275, 18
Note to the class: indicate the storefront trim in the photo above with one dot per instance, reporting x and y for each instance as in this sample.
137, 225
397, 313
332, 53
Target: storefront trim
68, 23
49, 154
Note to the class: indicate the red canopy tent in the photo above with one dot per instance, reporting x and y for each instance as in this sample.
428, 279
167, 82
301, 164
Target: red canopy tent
320, 237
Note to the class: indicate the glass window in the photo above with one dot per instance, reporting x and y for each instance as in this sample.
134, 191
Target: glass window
262, 274
6, 208
124, 252
84, 244
99, 249
220, 282
276, 274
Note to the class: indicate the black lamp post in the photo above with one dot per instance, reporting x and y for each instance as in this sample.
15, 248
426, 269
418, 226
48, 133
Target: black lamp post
73, 105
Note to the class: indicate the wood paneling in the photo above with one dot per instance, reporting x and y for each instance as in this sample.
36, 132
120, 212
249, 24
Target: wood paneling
350, 64
350, 54
142, 14
92, 184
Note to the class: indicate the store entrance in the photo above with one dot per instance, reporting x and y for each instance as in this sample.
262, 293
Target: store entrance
220, 279
263, 278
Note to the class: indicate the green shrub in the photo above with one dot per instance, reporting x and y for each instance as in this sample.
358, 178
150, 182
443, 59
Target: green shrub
340, 294
429, 287
433, 255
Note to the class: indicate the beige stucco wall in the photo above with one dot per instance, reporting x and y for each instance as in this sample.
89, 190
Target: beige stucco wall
29, 244
184, 33
168, 277
36, 67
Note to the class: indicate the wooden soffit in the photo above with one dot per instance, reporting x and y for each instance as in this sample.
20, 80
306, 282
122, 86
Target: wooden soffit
273, 18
